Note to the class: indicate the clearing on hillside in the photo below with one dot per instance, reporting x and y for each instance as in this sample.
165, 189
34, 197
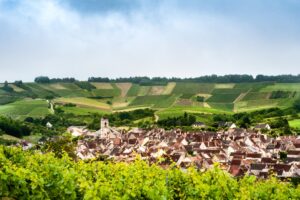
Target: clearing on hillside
157, 90
124, 87
224, 86
169, 88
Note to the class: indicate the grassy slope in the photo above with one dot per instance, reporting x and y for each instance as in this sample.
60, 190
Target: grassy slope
84, 102
169, 100
25, 108
295, 123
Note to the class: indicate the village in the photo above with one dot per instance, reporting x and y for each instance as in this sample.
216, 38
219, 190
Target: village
237, 151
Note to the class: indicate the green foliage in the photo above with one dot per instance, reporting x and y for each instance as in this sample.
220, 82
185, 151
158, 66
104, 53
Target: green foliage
13, 127
223, 98
200, 98
85, 85
7, 88
25, 108
193, 88
297, 105
185, 120
158, 101
283, 155
282, 94
60, 145
31, 175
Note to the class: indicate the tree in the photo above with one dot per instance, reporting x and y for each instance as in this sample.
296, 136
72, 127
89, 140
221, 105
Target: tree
42, 79
60, 145
297, 105
7, 88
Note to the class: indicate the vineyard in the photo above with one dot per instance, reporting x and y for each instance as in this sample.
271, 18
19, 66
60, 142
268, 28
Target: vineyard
32, 175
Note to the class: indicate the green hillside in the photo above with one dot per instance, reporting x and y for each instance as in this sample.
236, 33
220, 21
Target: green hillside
171, 98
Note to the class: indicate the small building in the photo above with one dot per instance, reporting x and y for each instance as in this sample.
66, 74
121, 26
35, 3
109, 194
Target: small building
199, 125
49, 125
262, 126
229, 125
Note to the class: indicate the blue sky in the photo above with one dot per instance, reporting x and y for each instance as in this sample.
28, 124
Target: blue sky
121, 38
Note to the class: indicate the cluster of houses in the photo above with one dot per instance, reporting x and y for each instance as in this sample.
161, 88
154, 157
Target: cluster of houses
238, 151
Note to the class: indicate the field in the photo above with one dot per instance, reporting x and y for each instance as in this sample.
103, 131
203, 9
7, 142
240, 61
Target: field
124, 87
223, 98
193, 88
173, 98
84, 102
25, 108
283, 87
83, 111
295, 123
157, 101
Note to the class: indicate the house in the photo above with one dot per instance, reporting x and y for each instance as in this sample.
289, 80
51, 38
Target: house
262, 126
77, 130
239, 151
199, 125
49, 125
229, 125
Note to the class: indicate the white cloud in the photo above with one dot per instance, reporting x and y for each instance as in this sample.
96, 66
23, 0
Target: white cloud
46, 38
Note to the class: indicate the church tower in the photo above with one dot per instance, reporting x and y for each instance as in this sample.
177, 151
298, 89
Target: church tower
104, 123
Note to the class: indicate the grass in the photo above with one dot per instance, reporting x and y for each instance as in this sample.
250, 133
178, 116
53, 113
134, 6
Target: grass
283, 87
105, 92
157, 101
172, 98
295, 123
225, 86
133, 91
16, 88
102, 85
10, 137
256, 96
84, 102
25, 108
222, 106
144, 90
40, 90
83, 111
244, 106
223, 98
180, 110
193, 88
169, 88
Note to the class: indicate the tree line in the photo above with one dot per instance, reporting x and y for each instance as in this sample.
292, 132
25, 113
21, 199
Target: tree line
144, 80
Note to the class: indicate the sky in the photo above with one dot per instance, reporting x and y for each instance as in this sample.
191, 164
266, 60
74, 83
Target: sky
170, 38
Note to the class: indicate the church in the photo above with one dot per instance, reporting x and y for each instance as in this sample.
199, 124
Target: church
106, 131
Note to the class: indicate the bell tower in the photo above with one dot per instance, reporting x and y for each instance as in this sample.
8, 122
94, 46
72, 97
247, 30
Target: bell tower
104, 123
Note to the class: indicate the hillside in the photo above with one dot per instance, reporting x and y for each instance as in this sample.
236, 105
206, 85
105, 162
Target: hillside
172, 98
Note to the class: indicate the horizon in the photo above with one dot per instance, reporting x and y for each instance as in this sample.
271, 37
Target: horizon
123, 38
151, 77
